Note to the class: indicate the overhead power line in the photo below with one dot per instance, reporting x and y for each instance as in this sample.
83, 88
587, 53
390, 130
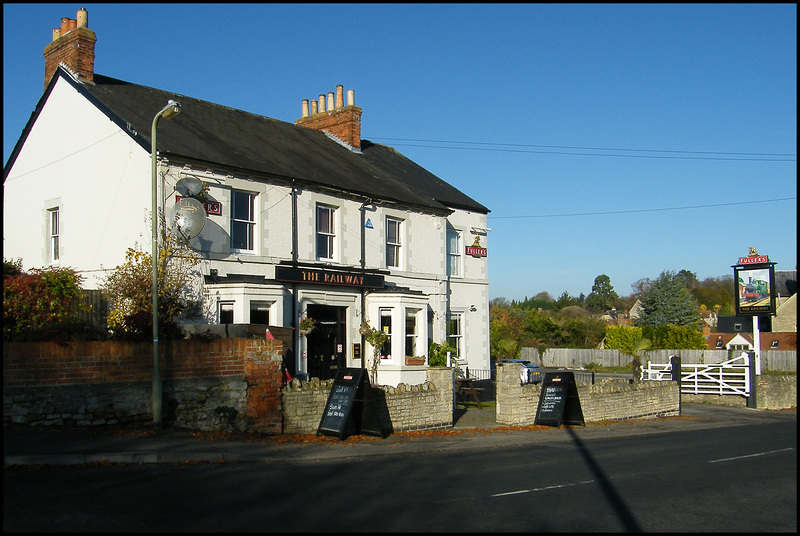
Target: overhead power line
642, 210
573, 150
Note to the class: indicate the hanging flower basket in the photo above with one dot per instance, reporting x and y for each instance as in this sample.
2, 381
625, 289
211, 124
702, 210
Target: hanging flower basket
364, 330
306, 325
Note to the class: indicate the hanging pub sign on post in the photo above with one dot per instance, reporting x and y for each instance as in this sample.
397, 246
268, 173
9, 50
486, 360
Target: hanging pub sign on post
754, 277
559, 402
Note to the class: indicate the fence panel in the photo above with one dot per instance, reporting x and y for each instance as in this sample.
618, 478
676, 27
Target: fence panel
91, 306
784, 360
775, 360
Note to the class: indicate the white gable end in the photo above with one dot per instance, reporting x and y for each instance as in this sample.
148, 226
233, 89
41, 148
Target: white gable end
79, 161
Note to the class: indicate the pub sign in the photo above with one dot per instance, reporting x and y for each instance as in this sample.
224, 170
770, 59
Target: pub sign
754, 280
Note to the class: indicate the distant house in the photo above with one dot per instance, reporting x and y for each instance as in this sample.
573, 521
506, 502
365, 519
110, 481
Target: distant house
303, 219
744, 341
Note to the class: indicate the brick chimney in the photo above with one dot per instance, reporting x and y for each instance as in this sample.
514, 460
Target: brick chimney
73, 45
343, 122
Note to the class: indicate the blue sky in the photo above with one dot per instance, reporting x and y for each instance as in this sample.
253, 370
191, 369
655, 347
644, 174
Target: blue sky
622, 140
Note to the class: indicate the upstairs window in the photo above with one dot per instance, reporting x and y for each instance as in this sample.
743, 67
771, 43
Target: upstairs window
453, 253
55, 234
326, 232
243, 221
393, 243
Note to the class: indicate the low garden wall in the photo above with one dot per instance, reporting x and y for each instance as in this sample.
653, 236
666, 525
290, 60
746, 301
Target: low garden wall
772, 392
426, 406
225, 384
607, 400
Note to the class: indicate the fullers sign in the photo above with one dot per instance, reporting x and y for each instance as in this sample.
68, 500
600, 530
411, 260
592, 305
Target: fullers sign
328, 277
475, 249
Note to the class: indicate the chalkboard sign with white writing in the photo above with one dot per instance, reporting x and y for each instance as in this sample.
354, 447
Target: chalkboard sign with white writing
559, 402
337, 412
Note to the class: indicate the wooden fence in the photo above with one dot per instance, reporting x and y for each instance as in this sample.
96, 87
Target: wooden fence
775, 360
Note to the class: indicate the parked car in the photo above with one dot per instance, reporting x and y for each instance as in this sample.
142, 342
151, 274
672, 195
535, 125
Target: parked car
529, 372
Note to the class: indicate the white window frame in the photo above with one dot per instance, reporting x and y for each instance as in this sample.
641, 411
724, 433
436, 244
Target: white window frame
395, 245
454, 256
412, 335
54, 234
456, 340
328, 235
385, 315
249, 222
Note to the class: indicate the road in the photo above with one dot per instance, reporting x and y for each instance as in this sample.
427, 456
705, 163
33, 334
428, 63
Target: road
740, 477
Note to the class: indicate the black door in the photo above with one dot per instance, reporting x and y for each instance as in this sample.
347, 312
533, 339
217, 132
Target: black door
326, 341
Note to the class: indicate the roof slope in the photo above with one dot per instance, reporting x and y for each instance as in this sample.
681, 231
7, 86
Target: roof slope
249, 143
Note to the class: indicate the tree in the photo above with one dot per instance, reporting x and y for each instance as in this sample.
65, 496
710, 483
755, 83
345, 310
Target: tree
129, 290
376, 338
602, 296
667, 301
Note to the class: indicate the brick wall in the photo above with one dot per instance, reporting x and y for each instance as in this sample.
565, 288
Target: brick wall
225, 384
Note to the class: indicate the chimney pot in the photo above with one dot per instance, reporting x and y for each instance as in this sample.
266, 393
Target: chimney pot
313, 107
64, 25
305, 108
339, 96
56, 33
83, 18
72, 24
330, 102
351, 97
321, 103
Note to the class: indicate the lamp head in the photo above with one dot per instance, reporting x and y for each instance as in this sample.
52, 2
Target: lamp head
172, 109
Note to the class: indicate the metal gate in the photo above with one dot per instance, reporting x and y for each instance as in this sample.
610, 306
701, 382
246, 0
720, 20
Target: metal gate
730, 377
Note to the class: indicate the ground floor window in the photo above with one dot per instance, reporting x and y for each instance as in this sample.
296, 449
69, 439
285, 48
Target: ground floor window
411, 333
386, 327
226, 313
455, 334
259, 313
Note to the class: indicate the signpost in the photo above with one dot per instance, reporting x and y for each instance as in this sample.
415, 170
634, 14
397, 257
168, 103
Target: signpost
559, 402
350, 407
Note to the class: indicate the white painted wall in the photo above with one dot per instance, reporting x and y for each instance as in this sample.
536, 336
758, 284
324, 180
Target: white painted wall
76, 157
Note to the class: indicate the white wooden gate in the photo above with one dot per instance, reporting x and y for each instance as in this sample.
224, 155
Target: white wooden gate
730, 377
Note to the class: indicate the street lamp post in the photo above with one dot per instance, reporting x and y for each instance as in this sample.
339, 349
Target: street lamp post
170, 110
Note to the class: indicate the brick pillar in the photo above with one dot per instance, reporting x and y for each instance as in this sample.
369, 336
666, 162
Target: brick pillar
262, 368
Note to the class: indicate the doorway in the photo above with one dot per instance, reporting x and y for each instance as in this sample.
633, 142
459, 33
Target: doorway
326, 344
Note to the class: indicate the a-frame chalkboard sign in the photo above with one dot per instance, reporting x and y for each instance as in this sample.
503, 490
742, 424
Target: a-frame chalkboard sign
350, 407
559, 402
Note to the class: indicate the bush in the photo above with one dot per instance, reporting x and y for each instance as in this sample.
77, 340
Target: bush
37, 301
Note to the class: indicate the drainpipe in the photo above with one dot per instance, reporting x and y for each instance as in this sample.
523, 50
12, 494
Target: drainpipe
363, 268
296, 333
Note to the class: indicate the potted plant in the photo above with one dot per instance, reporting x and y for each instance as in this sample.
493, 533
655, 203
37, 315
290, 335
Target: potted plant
307, 325
415, 360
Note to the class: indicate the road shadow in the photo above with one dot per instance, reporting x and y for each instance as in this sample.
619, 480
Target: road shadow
615, 500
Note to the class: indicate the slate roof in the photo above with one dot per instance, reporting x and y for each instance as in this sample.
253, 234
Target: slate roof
254, 145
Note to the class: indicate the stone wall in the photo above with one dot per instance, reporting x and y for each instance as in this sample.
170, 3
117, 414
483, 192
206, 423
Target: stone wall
772, 392
406, 407
607, 400
226, 384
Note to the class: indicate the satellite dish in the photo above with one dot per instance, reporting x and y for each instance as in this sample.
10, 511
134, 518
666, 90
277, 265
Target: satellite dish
187, 218
189, 186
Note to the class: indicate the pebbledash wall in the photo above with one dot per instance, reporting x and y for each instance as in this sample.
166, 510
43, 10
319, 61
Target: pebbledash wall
611, 400
226, 384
